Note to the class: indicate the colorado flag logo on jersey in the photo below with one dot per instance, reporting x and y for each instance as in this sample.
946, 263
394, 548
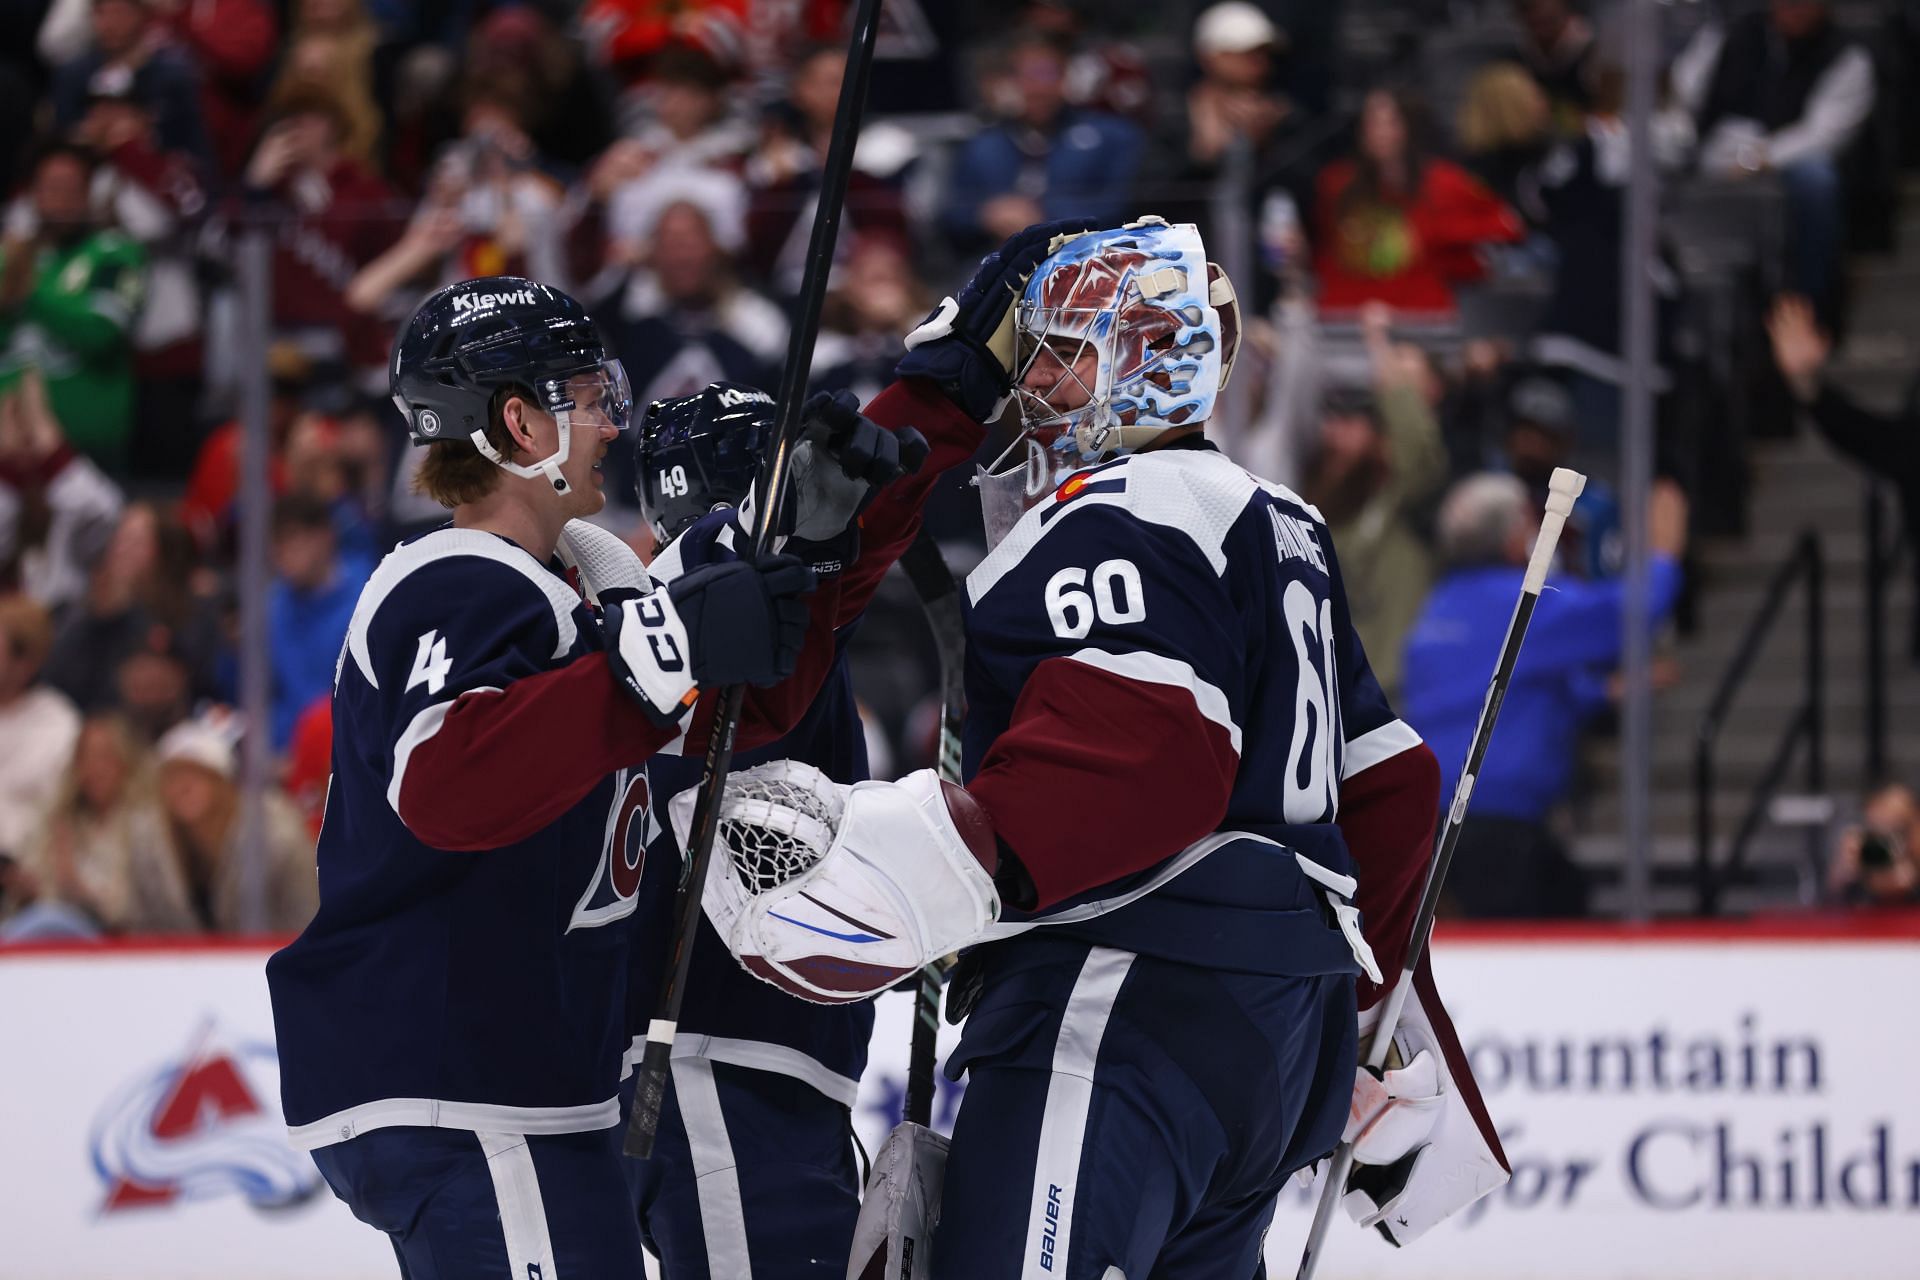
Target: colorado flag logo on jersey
202, 1125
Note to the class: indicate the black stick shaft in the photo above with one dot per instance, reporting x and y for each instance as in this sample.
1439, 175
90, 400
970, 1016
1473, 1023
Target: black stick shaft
1564, 488
933, 582
650, 1087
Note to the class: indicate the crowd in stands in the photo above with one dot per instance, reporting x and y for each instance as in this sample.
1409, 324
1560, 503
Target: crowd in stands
1428, 240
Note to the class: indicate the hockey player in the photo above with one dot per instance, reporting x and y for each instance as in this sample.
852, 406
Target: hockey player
1178, 765
451, 1025
752, 1173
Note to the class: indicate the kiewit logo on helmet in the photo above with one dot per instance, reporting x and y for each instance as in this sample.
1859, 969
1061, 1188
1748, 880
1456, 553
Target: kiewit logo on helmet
731, 397
467, 304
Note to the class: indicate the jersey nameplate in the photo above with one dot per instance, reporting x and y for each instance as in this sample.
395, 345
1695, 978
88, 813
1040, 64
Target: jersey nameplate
1295, 539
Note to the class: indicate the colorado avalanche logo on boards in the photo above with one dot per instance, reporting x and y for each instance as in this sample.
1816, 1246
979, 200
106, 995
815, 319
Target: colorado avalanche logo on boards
201, 1126
614, 890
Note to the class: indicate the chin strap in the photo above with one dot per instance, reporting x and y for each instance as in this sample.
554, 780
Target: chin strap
548, 467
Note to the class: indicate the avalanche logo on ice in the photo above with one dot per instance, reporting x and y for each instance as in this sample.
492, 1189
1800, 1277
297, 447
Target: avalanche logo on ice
203, 1125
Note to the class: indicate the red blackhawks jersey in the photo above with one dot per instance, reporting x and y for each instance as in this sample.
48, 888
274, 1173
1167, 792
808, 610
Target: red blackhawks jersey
1175, 730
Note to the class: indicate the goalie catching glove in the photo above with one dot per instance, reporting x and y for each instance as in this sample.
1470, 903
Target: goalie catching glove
835, 893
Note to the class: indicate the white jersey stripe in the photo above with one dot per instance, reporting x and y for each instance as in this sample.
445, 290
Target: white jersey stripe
1155, 668
1063, 1127
756, 1055
442, 544
716, 1178
435, 1113
425, 723
523, 1216
1376, 745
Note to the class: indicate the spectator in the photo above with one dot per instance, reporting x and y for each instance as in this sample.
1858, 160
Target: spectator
1888, 445
69, 293
340, 65
140, 597
308, 606
158, 198
1510, 861
1505, 130
1049, 160
208, 505
1583, 191
130, 51
783, 175
201, 806
1398, 226
520, 52
232, 42
37, 724
56, 508
310, 761
681, 114
333, 217
1556, 47
103, 862
874, 298
1542, 435
1234, 106
1378, 459
489, 211
684, 319
1783, 91
1878, 862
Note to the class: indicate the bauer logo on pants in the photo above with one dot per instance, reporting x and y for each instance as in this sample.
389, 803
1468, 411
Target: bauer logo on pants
201, 1125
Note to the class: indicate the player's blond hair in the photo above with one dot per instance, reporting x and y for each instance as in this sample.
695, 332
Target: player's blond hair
455, 473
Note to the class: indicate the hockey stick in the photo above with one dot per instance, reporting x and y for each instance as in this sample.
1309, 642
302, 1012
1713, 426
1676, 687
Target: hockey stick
939, 596
650, 1086
1562, 489
901, 1207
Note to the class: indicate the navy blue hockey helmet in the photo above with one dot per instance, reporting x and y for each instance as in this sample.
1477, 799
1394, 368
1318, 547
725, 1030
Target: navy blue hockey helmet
698, 452
474, 339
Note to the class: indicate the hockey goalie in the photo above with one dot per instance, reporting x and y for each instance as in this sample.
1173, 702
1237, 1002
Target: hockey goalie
1192, 836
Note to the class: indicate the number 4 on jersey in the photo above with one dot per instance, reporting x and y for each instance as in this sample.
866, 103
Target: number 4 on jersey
430, 664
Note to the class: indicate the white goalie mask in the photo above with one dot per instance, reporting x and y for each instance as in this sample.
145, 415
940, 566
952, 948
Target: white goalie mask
1120, 336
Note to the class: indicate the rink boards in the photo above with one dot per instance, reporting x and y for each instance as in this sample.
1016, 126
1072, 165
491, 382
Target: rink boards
1677, 1102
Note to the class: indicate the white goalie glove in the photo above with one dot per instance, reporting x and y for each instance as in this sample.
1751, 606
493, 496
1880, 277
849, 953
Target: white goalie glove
835, 893
1419, 1155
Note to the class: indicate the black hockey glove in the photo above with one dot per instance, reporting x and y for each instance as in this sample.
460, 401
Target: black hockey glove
742, 622
843, 459
966, 344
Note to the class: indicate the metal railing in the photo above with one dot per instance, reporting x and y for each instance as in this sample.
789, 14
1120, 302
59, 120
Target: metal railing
1886, 546
1803, 728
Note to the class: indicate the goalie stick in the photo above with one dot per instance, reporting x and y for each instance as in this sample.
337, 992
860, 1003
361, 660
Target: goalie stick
939, 596
1563, 488
650, 1085
893, 1238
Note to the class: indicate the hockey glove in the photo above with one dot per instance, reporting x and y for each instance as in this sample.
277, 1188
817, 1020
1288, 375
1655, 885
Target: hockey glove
966, 344
1417, 1156
835, 893
735, 623
842, 460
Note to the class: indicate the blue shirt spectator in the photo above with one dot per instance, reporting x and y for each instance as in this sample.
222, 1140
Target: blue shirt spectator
1048, 161
1486, 530
309, 605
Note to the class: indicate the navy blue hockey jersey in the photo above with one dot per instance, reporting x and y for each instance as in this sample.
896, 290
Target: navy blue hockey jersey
479, 989
729, 1015
1167, 704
